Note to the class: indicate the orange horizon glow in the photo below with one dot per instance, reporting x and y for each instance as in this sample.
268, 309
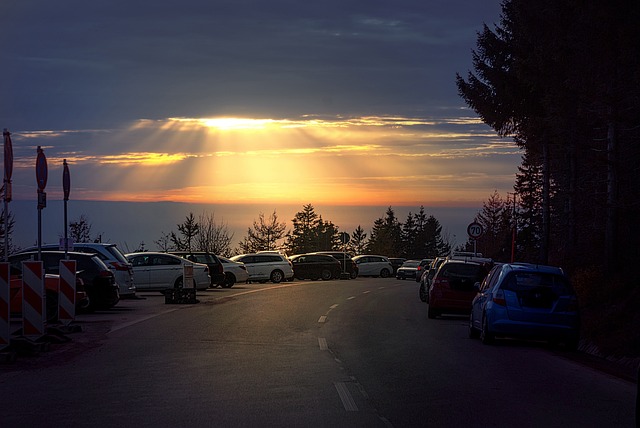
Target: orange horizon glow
364, 161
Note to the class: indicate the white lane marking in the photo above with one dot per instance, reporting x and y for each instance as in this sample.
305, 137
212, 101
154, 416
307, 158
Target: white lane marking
365, 292
148, 317
345, 396
323, 318
322, 342
334, 306
351, 298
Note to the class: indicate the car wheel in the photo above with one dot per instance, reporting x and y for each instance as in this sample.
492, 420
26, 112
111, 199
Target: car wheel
432, 313
485, 335
473, 332
51, 306
326, 275
179, 282
384, 273
229, 280
353, 275
423, 293
276, 276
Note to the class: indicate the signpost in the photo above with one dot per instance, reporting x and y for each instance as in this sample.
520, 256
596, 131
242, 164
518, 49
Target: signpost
8, 171
41, 178
475, 231
66, 188
344, 238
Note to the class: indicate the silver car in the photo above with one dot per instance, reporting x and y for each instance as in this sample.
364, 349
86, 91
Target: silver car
373, 265
160, 271
266, 266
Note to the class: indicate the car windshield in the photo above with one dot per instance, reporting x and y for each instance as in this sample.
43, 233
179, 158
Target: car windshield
411, 264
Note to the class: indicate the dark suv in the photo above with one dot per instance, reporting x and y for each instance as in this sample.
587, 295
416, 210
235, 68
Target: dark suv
347, 264
216, 270
315, 266
99, 282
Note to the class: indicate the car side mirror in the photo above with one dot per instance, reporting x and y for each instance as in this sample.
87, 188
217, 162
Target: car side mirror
476, 286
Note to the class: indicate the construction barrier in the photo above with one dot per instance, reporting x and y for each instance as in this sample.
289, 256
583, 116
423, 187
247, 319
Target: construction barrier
5, 306
33, 306
186, 294
67, 292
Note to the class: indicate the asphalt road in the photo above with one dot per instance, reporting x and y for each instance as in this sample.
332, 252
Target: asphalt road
305, 353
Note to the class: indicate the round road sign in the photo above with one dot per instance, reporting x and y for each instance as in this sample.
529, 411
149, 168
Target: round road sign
475, 230
66, 180
41, 169
344, 237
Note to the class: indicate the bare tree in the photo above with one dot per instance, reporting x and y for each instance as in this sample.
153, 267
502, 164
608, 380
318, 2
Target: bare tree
80, 230
213, 237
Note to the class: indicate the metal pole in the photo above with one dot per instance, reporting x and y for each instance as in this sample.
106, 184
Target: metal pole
6, 222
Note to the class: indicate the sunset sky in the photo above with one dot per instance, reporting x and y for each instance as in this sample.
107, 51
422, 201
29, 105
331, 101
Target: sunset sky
269, 103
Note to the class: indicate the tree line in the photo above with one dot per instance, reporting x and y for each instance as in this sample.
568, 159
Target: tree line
420, 236
562, 78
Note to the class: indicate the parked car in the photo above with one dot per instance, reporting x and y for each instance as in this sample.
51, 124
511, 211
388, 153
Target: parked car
408, 269
526, 301
372, 265
111, 255
161, 271
98, 279
315, 266
233, 272
266, 266
424, 266
427, 277
216, 270
452, 288
346, 262
396, 262
51, 294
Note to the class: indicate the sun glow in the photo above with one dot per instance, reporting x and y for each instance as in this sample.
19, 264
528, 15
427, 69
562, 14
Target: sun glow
351, 161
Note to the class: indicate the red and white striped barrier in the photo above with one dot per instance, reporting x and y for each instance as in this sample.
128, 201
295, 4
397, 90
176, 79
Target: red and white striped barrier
5, 305
67, 292
33, 315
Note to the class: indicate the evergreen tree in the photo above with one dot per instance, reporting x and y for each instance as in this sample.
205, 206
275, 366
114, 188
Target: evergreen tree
386, 236
188, 232
358, 241
264, 235
303, 238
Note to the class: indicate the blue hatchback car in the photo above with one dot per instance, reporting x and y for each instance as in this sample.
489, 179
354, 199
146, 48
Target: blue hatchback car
526, 301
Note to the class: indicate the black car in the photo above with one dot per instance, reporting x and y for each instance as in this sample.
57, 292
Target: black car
315, 266
216, 270
99, 282
408, 269
346, 262
396, 262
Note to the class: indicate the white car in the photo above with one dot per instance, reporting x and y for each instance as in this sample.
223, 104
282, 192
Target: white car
111, 255
233, 272
372, 265
266, 266
159, 271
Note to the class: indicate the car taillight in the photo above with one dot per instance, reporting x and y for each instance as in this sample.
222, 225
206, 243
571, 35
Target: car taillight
121, 266
499, 299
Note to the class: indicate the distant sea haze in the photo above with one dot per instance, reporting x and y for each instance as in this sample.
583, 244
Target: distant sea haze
129, 224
